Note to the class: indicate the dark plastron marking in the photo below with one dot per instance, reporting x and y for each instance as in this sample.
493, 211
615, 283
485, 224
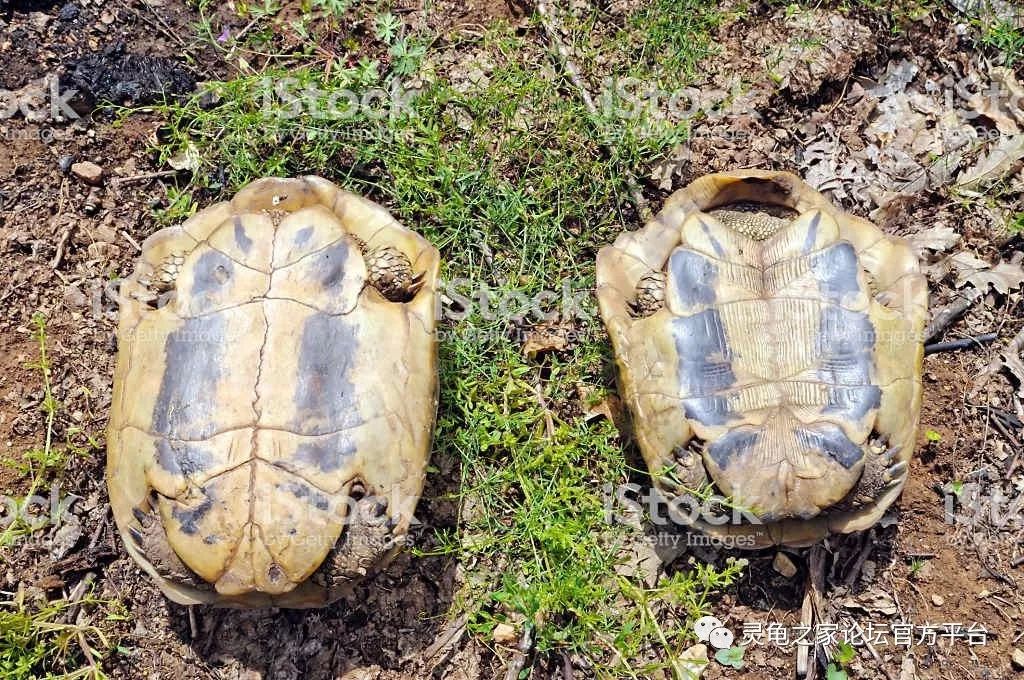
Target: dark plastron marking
325, 399
846, 342
302, 237
812, 234
830, 440
190, 518
328, 265
705, 367
732, 445
180, 457
719, 250
306, 493
193, 358
212, 275
836, 269
694, 276
327, 455
241, 238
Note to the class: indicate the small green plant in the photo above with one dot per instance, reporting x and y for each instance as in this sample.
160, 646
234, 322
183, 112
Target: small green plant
38, 643
932, 436
1015, 224
916, 565
733, 656
180, 206
1005, 36
406, 54
386, 26
845, 653
834, 672
335, 7
38, 463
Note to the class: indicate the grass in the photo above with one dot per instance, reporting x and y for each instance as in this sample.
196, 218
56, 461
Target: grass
1006, 36
36, 638
518, 185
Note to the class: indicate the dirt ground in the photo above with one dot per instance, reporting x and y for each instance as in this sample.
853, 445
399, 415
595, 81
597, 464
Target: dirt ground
61, 240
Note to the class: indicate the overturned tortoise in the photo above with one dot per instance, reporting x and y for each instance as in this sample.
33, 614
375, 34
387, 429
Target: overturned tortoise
274, 396
769, 348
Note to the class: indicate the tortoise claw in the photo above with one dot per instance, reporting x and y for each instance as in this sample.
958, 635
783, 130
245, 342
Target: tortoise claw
896, 472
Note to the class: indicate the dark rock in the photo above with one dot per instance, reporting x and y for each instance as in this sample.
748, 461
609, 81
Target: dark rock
69, 12
64, 163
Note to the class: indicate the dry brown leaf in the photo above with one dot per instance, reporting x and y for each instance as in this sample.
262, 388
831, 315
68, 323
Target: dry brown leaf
939, 238
1004, 277
1003, 159
872, 602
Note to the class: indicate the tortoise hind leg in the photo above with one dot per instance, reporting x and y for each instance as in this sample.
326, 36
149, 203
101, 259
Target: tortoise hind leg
367, 545
150, 539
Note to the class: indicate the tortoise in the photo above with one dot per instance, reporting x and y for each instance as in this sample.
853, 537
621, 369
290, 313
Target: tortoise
769, 349
274, 396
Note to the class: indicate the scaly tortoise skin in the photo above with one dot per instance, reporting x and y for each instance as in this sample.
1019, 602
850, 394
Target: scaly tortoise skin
769, 345
274, 396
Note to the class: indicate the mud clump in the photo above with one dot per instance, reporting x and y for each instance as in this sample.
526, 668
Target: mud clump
117, 76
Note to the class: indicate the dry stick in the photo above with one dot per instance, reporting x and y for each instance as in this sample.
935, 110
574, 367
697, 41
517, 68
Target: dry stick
963, 343
131, 179
871, 648
573, 71
945, 316
519, 658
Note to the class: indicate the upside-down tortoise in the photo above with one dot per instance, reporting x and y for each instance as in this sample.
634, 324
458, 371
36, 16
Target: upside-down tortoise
769, 348
274, 396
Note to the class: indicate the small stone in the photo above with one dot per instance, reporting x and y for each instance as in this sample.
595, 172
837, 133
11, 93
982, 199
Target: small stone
64, 163
69, 12
1018, 659
39, 20
88, 172
784, 565
93, 202
504, 633
938, 600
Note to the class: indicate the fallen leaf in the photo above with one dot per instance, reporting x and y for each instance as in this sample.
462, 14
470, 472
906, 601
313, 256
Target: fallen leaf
872, 602
999, 162
939, 238
1004, 277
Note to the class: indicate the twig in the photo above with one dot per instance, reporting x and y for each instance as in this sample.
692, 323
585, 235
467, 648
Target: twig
449, 636
131, 179
872, 650
945, 316
549, 422
573, 72
77, 593
519, 658
567, 671
963, 343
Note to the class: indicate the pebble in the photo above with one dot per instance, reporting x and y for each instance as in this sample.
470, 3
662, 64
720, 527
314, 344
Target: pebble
938, 600
784, 565
64, 163
504, 633
1018, 659
69, 12
88, 172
